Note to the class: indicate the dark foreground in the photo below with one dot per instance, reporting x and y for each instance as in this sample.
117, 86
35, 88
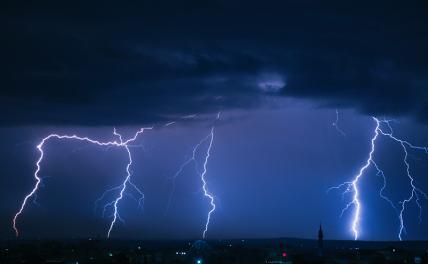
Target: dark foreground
211, 251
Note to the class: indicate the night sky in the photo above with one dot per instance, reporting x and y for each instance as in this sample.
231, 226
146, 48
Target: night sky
279, 72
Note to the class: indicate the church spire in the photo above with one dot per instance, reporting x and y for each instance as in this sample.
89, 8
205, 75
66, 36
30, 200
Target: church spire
320, 241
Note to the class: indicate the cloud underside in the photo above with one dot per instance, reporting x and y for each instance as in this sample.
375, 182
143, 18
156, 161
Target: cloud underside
86, 64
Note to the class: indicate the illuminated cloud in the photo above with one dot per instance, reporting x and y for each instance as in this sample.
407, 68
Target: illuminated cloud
271, 83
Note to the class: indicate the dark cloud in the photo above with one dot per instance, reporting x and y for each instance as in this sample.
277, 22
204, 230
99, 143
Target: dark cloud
114, 63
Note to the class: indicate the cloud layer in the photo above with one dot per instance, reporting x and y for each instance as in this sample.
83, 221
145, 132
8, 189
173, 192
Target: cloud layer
98, 64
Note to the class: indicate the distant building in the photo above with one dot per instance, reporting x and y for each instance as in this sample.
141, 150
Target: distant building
320, 242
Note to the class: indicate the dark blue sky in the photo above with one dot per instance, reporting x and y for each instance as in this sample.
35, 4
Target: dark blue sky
277, 71
269, 170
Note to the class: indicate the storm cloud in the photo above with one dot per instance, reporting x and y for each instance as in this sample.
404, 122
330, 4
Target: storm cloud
99, 64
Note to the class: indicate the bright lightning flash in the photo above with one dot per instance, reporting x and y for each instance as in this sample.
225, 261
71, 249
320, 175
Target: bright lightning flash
204, 184
352, 186
127, 181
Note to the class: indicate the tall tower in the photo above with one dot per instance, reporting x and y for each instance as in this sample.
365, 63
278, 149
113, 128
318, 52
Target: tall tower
320, 242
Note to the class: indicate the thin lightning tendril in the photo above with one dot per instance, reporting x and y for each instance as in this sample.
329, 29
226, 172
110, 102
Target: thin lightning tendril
106, 206
336, 124
415, 191
202, 174
380, 173
122, 187
352, 186
192, 159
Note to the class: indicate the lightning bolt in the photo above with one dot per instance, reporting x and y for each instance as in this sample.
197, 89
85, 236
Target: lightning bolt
139, 200
119, 188
121, 143
202, 174
207, 193
352, 186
